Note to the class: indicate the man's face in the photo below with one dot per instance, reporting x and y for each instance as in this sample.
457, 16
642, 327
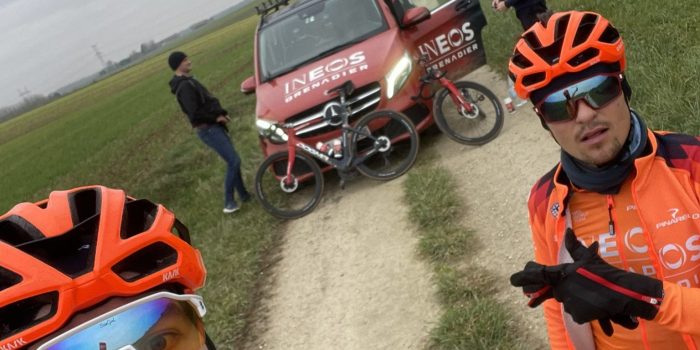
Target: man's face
594, 137
174, 330
185, 66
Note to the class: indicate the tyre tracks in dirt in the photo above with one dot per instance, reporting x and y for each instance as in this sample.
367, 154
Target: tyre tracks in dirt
347, 276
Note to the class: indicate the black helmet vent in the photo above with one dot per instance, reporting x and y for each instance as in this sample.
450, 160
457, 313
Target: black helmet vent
584, 57
585, 28
551, 53
520, 60
146, 261
84, 204
26, 313
14, 230
534, 79
138, 217
610, 35
72, 253
180, 230
8, 278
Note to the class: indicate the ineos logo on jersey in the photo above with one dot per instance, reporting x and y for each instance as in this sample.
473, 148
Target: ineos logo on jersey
630, 241
324, 74
673, 256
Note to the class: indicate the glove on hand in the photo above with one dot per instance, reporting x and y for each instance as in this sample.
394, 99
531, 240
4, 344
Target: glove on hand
591, 289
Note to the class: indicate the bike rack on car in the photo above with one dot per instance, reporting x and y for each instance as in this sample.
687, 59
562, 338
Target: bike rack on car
270, 6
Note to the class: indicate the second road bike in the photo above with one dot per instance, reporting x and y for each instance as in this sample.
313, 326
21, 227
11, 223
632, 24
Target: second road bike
465, 111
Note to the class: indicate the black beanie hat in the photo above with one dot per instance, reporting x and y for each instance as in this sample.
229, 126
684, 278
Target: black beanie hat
176, 59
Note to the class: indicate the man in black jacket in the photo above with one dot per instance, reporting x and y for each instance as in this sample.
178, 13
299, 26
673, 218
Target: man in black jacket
209, 119
527, 11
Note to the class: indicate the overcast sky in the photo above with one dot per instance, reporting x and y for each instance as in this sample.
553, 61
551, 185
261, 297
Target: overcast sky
46, 44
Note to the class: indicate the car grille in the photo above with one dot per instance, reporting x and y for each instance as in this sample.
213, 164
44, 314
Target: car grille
362, 101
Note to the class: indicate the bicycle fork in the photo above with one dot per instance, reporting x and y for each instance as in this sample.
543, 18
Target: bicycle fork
457, 96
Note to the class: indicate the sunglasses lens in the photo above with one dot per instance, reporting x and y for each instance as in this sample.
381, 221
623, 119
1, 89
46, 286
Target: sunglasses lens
604, 93
158, 324
597, 92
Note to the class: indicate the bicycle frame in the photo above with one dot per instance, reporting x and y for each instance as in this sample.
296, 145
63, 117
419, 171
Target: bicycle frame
433, 74
348, 161
456, 95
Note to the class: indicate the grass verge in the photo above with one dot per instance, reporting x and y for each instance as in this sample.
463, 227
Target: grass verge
472, 318
127, 131
662, 45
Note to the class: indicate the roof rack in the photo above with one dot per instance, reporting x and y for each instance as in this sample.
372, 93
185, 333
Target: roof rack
270, 6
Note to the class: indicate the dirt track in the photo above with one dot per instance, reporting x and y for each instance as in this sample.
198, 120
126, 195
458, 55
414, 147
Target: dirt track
354, 281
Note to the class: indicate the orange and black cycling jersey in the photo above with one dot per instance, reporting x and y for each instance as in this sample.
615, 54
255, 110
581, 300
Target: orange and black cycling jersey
651, 227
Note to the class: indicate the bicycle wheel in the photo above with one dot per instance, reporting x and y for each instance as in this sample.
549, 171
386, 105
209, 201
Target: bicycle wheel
389, 141
477, 128
293, 200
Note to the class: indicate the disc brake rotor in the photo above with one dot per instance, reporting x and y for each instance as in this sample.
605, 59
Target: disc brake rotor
289, 188
384, 142
474, 113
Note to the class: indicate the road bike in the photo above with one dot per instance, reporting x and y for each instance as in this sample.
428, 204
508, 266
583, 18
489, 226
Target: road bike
381, 145
465, 111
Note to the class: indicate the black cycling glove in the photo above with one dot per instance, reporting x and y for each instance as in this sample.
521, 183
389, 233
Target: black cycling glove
591, 289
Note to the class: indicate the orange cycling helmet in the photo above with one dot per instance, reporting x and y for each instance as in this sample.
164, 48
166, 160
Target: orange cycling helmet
81, 247
570, 42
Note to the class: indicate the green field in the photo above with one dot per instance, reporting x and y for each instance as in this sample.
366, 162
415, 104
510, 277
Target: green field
128, 132
662, 40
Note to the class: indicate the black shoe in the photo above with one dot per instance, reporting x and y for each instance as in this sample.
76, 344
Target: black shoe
246, 198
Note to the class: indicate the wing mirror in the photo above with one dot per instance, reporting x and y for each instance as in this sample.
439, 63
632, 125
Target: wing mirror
414, 16
248, 85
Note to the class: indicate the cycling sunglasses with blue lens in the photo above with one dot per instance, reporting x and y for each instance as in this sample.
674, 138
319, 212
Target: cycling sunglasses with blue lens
160, 321
597, 91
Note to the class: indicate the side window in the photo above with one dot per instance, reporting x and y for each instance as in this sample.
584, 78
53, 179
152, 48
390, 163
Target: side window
430, 4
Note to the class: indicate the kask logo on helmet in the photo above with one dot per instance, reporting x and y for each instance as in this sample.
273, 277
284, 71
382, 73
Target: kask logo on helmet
17, 344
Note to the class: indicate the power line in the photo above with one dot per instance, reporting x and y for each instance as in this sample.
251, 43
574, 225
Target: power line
99, 55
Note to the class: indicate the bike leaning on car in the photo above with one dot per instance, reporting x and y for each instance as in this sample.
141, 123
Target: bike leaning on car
381, 145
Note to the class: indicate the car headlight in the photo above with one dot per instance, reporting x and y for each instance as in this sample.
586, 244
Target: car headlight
271, 130
398, 75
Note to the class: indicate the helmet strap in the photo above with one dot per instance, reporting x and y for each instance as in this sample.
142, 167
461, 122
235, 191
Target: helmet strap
626, 89
209, 342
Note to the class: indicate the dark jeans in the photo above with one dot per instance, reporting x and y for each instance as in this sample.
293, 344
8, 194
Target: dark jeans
217, 138
528, 15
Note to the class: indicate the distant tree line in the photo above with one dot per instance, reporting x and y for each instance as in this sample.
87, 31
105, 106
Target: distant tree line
28, 103
135, 56
33, 101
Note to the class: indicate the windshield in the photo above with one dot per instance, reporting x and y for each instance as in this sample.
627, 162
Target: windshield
314, 31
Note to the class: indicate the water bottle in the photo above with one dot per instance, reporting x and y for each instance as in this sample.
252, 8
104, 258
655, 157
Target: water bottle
337, 149
509, 104
517, 101
324, 148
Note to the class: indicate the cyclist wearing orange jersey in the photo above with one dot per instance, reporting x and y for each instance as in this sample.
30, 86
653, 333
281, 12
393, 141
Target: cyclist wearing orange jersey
94, 269
616, 224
